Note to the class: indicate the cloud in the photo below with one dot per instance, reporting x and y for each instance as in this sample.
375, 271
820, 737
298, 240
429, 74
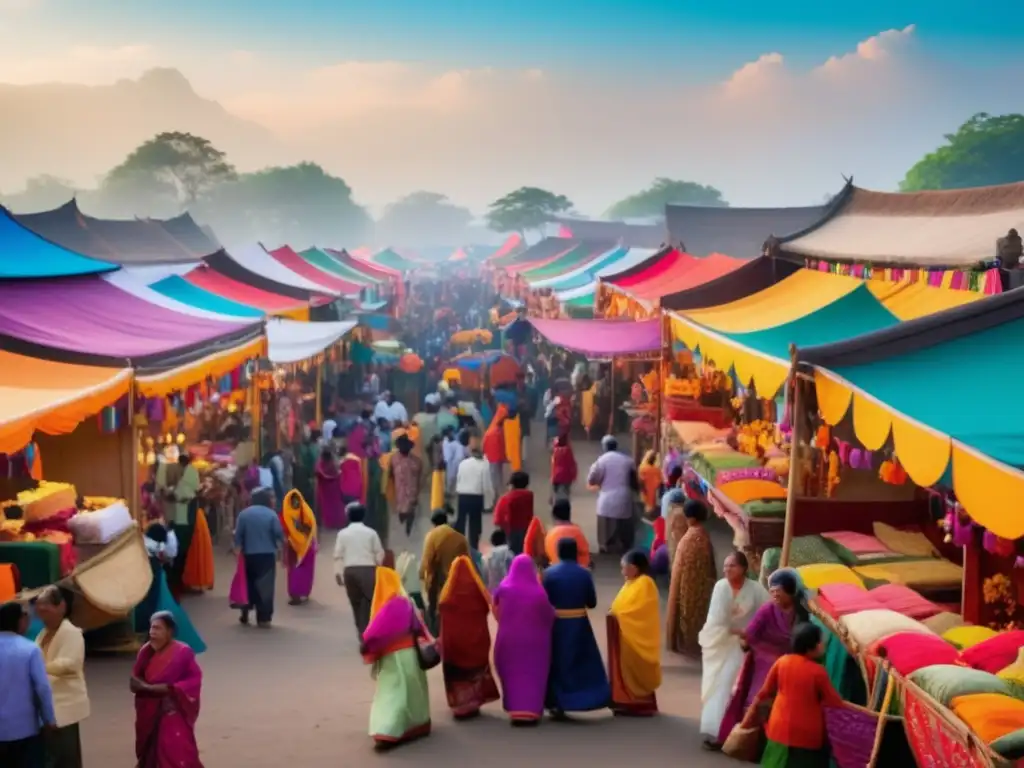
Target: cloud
770, 133
18, 6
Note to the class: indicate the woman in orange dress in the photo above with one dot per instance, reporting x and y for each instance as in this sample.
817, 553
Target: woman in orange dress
465, 606
650, 480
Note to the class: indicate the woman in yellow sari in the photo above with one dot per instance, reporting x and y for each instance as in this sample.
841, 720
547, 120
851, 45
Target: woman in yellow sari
634, 645
300, 532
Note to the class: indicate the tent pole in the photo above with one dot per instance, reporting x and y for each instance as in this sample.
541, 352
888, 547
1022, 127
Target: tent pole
135, 498
794, 463
319, 410
663, 361
611, 397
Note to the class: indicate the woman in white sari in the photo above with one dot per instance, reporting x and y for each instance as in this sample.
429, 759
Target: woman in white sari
734, 601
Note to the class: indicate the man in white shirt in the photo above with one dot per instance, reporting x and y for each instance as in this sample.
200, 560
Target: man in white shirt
63, 650
475, 493
455, 450
392, 410
328, 429
357, 553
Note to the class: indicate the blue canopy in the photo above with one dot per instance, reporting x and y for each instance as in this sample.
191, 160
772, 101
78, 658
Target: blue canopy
178, 288
24, 254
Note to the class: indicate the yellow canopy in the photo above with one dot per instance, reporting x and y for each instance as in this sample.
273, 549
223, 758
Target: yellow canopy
52, 397
214, 365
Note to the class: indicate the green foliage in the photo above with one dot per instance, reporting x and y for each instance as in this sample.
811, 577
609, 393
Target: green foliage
985, 150
423, 217
189, 164
662, 192
301, 205
526, 208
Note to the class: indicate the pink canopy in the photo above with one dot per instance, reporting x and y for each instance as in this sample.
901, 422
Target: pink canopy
602, 338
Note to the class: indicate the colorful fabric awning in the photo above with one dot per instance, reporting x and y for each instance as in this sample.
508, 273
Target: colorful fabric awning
177, 288
178, 375
540, 253
310, 273
269, 303
88, 320
602, 338
676, 272
52, 397
946, 228
921, 384
328, 263
393, 260
510, 247
585, 274
133, 285
364, 266
582, 254
289, 341
254, 266
583, 292
24, 254
747, 280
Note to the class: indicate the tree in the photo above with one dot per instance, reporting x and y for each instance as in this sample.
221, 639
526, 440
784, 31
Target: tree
423, 218
41, 193
526, 208
652, 201
301, 205
190, 164
985, 150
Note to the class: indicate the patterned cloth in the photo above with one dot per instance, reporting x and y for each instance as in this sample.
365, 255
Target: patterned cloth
693, 579
407, 472
931, 739
851, 735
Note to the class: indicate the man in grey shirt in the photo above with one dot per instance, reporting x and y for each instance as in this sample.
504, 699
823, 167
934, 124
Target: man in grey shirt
258, 538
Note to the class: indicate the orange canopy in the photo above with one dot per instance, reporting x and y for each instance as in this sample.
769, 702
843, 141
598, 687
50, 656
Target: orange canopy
51, 397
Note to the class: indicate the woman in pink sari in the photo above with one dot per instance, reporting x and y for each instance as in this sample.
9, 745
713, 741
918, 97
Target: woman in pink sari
167, 683
351, 478
522, 650
328, 492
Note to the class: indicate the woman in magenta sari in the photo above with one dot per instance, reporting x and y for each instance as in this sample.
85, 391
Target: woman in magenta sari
167, 682
522, 649
328, 492
767, 638
351, 480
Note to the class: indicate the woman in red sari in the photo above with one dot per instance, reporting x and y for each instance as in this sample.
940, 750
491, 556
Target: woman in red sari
167, 682
465, 605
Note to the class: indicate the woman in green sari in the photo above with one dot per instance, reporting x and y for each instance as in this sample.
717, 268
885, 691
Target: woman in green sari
401, 703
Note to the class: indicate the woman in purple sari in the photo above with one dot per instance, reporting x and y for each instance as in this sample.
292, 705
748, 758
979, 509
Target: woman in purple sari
767, 637
328, 492
167, 683
522, 650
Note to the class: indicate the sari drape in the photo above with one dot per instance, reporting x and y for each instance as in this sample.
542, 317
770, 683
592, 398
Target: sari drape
351, 479
634, 647
300, 531
401, 702
198, 571
165, 734
522, 648
464, 607
693, 579
533, 543
328, 495
721, 652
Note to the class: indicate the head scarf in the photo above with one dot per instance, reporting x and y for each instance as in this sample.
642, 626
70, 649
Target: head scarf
388, 585
522, 575
787, 580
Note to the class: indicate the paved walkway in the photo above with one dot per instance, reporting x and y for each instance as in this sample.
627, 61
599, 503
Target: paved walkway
298, 694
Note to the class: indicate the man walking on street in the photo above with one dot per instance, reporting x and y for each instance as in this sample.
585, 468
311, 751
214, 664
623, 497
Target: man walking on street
25, 696
357, 553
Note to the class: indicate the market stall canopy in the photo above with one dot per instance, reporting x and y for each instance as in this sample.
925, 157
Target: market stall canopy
393, 260
24, 254
763, 272
658, 264
289, 341
739, 232
540, 253
459, 254
252, 265
757, 348
52, 397
584, 253
619, 232
918, 384
312, 274
198, 240
945, 228
364, 266
120, 241
584, 274
87, 320
678, 272
512, 245
602, 338
584, 291
140, 290
271, 303
327, 262
176, 288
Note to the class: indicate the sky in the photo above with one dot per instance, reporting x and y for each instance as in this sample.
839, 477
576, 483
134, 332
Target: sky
773, 103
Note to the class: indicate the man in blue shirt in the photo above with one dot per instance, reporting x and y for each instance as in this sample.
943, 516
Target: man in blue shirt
26, 702
258, 537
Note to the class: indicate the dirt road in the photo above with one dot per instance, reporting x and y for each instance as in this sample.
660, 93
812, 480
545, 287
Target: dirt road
298, 694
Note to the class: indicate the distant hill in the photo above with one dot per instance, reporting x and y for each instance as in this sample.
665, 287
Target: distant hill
80, 132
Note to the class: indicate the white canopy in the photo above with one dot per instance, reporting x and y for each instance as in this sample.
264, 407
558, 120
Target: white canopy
634, 257
291, 341
256, 259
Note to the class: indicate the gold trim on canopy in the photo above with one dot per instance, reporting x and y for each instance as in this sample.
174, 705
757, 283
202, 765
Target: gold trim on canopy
217, 364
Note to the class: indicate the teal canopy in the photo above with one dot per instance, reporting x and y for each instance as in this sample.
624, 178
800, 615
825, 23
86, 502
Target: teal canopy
393, 260
586, 275
567, 261
24, 254
331, 265
178, 288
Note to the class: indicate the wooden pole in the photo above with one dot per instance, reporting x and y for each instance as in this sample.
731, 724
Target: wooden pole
792, 486
611, 398
135, 500
663, 362
319, 410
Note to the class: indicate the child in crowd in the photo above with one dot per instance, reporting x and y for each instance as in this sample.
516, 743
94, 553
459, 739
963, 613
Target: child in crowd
514, 511
563, 468
498, 560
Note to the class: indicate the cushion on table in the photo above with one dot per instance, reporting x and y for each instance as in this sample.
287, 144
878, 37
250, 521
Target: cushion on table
996, 653
908, 652
990, 715
968, 636
868, 627
926, 572
944, 682
901, 599
817, 575
904, 542
842, 599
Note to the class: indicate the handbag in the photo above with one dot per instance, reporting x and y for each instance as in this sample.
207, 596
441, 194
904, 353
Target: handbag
743, 744
428, 654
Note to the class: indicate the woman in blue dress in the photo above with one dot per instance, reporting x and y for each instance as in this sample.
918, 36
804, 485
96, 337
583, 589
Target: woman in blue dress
578, 681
